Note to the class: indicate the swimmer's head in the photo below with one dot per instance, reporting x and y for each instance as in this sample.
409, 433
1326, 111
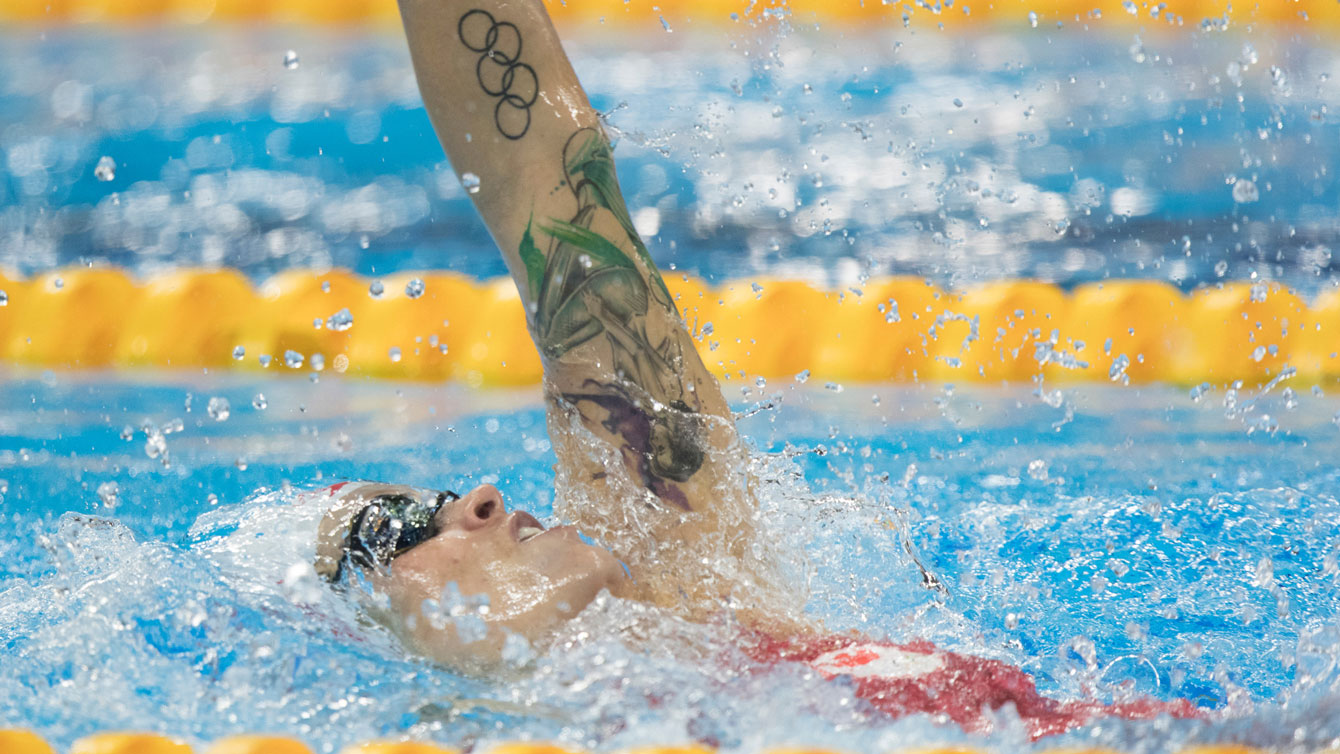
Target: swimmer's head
410, 544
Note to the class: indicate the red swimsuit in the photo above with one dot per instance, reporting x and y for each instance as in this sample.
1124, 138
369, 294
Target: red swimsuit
904, 679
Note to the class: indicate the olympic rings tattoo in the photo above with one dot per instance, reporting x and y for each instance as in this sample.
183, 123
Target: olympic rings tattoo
500, 71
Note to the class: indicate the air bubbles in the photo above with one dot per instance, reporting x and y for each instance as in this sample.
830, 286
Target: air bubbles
239, 352
264, 360
219, 409
292, 359
105, 170
394, 353
259, 403
958, 102
1033, 19
471, 183
414, 288
4, 299
376, 289
291, 60
833, 387
803, 376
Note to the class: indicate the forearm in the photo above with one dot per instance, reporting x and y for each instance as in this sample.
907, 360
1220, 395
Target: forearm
504, 101
509, 110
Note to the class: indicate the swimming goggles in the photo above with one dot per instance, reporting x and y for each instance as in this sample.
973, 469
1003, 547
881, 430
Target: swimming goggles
390, 525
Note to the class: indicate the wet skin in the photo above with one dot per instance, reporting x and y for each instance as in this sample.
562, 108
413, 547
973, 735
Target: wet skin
533, 581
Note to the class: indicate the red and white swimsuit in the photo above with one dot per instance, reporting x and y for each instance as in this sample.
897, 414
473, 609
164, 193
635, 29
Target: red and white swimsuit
905, 679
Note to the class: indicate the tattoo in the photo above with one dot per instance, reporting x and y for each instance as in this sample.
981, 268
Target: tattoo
586, 288
500, 71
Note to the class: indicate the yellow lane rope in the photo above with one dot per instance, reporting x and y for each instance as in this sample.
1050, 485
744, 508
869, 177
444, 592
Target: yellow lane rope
686, 13
886, 329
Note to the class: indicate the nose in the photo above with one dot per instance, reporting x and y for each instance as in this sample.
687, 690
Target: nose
480, 507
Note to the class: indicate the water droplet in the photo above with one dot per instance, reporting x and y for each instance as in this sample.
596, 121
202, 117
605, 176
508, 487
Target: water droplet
394, 353
1037, 469
292, 359
958, 102
1245, 191
1033, 19
1200, 390
155, 445
259, 403
1129, 5
264, 360
4, 299
1011, 621
105, 169
833, 386
291, 59
219, 408
1258, 353
803, 376
1117, 372
301, 585
1221, 268
471, 183
376, 289
707, 329
58, 283
341, 320
110, 494
127, 432
239, 352
414, 288
666, 25
1259, 292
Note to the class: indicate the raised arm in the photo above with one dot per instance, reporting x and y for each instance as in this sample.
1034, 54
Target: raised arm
624, 382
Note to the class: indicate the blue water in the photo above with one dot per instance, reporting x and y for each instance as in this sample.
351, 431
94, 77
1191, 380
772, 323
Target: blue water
1109, 540
1065, 155
1126, 541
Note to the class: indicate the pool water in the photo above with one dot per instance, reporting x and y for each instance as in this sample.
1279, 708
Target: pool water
1124, 542
1066, 155
1112, 541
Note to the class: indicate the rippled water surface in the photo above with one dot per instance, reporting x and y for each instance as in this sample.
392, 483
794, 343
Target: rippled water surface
1127, 541
1109, 540
1066, 154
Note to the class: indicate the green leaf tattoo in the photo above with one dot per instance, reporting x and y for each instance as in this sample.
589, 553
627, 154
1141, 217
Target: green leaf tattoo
586, 288
534, 262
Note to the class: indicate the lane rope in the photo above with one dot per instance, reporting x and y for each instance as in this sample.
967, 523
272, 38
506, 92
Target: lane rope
443, 326
649, 14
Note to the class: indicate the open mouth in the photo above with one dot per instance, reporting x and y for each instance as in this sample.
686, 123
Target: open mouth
525, 526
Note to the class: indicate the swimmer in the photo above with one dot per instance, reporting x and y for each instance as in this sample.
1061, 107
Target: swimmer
649, 463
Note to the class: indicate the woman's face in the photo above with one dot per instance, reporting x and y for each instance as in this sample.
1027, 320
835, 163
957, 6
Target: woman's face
534, 579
